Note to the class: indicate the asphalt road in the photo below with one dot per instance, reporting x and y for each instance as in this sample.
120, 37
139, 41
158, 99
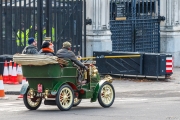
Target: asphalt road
135, 100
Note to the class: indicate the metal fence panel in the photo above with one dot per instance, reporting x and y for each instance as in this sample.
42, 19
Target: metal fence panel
122, 32
147, 36
61, 20
135, 25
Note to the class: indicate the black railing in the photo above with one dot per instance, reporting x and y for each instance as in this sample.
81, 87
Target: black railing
61, 19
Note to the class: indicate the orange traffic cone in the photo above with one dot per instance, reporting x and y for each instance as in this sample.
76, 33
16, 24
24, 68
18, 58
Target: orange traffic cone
23, 82
14, 75
2, 94
5, 73
19, 74
10, 72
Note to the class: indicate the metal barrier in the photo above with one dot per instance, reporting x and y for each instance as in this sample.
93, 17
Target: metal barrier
122, 65
148, 64
3, 58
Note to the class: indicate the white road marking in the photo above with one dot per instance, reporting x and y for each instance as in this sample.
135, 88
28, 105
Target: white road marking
130, 99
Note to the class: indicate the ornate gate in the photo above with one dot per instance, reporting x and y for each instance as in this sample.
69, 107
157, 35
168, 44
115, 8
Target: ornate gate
62, 20
135, 25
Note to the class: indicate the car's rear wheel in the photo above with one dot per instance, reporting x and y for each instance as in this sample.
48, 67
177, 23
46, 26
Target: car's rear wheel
65, 98
106, 95
31, 103
76, 102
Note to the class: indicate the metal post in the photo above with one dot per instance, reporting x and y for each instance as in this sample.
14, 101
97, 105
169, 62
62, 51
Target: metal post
80, 29
1, 38
39, 21
6, 30
84, 28
25, 22
11, 41
159, 27
157, 67
47, 17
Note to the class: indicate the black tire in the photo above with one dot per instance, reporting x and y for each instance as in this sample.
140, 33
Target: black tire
76, 102
30, 103
109, 96
69, 98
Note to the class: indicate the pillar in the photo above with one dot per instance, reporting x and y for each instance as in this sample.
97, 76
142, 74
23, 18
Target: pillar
170, 29
98, 35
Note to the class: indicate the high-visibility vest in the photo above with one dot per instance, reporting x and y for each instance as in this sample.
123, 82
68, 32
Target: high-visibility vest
36, 34
20, 37
53, 34
44, 34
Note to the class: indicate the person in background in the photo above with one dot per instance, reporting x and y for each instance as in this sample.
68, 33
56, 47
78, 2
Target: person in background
47, 49
31, 48
22, 36
52, 33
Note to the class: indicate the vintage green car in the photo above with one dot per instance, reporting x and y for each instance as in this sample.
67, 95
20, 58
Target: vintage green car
58, 85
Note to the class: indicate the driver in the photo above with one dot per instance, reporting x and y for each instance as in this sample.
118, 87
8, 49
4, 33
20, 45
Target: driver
65, 52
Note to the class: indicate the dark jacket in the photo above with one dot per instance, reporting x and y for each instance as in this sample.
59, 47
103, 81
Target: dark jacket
31, 49
65, 53
47, 53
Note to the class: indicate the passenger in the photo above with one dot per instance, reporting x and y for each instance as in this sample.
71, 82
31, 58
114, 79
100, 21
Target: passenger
47, 39
65, 52
47, 49
31, 48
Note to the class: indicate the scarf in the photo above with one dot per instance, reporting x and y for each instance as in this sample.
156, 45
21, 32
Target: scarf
47, 50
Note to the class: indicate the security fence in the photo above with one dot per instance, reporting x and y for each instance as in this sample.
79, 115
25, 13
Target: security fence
62, 20
135, 25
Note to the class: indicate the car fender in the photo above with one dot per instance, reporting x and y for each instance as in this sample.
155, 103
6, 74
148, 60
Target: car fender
96, 90
58, 85
24, 89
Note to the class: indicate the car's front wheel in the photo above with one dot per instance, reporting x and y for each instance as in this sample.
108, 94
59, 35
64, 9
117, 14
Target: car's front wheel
106, 95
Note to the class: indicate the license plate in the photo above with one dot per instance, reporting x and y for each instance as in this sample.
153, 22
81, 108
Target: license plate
40, 90
39, 94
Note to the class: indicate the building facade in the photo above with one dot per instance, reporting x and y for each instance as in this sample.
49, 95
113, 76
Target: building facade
170, 29
99, 34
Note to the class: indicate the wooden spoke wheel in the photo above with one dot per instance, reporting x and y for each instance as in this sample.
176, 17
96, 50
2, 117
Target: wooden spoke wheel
106, 95
65, 98
76, 102
31, 103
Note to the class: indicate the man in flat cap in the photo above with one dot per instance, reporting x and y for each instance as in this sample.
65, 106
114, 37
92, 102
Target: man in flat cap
65, 52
